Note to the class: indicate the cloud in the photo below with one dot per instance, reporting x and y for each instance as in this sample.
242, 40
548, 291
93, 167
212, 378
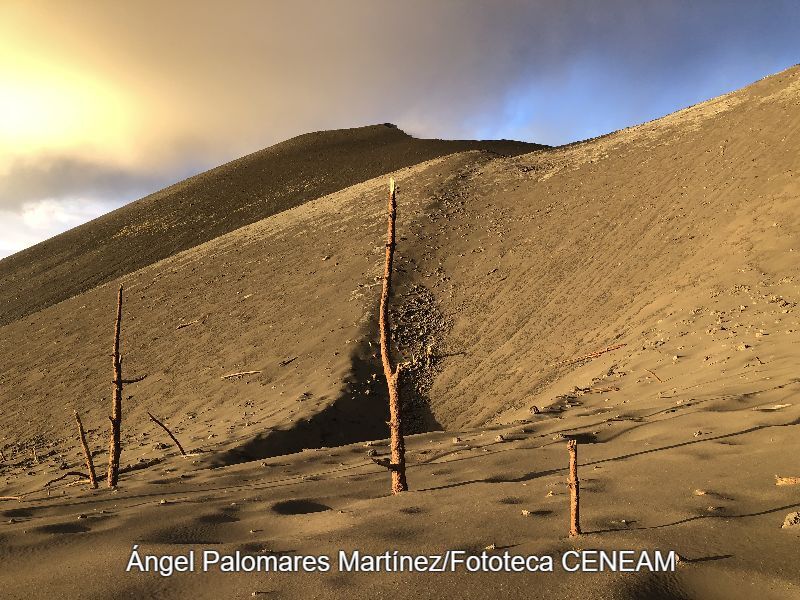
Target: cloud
51, 177
35, 221
184, 85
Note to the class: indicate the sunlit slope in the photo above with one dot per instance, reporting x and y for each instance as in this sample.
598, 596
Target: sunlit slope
650, 237
208, 205
291, 297
677, 238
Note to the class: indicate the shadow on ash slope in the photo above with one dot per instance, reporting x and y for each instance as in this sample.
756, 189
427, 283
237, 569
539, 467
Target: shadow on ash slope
360, 413
418, 328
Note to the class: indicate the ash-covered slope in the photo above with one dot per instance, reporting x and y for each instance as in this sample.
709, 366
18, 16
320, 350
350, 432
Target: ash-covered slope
672, 245
509, 271
211, 204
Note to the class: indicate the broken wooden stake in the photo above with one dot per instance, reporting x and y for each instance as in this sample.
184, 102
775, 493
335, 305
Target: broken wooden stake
115, 448
86, 453
574, 490
169, 433
397, 465
35, 457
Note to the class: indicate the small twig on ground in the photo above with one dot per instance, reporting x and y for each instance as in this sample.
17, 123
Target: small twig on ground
239, 374
182, 325
169, 433
787, 480
654, 375
588, 356
134, 380
17, 498
65, 475
283, 363
35, 457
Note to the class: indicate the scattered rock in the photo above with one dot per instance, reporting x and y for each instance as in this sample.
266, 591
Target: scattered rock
526, 513
491, 547
456, 440
500, 438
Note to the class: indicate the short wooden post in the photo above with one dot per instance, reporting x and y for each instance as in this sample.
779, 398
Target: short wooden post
574, 490
86, 453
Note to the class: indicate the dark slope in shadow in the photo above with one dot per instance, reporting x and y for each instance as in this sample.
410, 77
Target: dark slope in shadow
355, 416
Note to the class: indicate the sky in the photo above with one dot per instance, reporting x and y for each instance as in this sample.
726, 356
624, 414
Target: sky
103, 102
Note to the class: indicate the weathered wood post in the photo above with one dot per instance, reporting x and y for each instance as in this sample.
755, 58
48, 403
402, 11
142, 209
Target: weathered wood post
115, 448
397, 464
574, 490
86, 452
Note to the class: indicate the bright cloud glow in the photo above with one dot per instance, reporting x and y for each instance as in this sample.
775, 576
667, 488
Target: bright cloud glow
107, 101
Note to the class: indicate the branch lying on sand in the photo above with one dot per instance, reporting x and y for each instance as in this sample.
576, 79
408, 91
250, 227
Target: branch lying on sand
65, 475
787, 480
588, 356
654, 375
169, 433
182, 325
239, 374
17, 498
283, 363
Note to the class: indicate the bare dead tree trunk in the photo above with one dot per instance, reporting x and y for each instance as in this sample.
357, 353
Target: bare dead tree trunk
169, 433
574, 491
86, 453
115, 448
397, 466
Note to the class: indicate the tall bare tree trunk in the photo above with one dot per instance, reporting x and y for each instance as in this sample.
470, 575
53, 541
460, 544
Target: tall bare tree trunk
86, 453
397, 464
115, 448
574, 490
